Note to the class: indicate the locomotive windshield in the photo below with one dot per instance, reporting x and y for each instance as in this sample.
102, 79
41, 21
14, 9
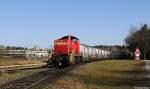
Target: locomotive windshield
71, 37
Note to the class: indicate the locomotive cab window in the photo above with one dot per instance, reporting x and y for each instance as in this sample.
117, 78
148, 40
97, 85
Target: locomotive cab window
71, 37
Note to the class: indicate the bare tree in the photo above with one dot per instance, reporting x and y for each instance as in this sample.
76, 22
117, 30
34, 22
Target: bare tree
141, 39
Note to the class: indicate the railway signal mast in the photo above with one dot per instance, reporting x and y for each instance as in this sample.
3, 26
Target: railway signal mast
137, 54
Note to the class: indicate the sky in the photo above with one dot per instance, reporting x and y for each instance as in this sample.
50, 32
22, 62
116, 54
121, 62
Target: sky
95, 22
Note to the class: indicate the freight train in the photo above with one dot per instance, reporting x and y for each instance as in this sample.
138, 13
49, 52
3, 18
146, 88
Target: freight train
69, 51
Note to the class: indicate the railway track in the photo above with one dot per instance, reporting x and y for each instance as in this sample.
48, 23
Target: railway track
27, 68
39, 78
21, 67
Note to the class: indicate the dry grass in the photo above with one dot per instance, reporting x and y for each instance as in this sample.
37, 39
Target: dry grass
17, 61
110, 74
10, 76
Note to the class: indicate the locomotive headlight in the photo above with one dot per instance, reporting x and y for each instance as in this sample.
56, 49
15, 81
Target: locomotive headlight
59, 64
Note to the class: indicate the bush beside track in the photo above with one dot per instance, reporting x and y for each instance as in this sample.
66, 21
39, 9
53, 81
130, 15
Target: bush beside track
110, 74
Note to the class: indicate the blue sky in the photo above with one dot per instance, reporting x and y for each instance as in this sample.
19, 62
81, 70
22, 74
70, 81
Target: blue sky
39, 22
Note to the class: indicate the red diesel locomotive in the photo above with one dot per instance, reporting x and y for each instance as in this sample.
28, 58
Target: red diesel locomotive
67, 51
67, 45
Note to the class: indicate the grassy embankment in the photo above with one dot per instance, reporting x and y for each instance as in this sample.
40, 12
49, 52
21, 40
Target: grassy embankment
110, 74
17, 61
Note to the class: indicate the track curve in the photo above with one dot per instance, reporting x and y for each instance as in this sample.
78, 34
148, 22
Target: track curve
38, 78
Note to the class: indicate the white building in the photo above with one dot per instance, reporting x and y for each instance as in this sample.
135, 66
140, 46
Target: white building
27, 53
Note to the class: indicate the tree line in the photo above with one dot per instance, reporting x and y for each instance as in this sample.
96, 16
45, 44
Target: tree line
139, 38
16, 48
114, 48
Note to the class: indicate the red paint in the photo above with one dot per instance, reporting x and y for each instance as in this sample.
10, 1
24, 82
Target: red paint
66, 46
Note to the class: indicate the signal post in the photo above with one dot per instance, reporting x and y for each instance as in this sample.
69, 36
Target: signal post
137, 54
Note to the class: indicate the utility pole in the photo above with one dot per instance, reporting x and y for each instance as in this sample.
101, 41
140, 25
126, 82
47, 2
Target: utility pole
143, 46
144, 53
35, 52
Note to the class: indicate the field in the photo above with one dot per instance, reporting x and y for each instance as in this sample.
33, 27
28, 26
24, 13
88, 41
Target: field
17, 61
110, 74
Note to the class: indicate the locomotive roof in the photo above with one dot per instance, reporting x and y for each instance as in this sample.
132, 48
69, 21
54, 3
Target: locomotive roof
72, 37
